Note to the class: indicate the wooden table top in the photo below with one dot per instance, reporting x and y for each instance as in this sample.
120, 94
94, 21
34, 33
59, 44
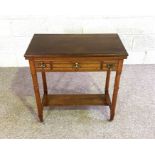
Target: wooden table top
46, 45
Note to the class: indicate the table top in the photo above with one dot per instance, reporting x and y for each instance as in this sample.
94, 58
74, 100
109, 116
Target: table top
46, 45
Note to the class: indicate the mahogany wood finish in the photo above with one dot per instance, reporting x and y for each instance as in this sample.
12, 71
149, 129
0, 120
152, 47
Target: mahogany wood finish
36, 90
78, 99
75, 53
45, 87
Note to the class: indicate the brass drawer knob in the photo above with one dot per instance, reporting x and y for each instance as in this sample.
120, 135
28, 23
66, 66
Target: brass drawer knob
42, 65
110, 66
76, 65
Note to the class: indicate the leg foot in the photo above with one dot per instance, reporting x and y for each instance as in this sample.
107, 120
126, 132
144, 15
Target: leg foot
41, 118
111, 115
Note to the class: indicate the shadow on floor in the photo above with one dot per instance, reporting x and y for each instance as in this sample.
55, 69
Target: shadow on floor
58, 83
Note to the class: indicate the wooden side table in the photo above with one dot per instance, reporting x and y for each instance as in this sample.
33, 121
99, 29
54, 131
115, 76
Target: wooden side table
75, 53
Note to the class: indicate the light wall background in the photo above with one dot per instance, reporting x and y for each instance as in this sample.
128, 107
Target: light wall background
19, 21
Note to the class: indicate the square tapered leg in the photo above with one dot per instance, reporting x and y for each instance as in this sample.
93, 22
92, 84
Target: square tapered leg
36, 90
115, 91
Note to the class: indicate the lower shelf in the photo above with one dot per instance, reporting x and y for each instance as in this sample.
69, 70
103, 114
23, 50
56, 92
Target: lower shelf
76, 99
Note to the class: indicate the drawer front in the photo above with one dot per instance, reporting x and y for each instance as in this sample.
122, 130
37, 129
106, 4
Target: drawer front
43, 65
75, 65
112, 65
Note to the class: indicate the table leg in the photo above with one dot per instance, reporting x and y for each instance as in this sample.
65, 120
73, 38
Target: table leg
36, 90
45, 87
107, 82
115, 91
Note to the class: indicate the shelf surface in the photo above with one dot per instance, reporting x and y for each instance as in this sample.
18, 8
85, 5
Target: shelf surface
76, 99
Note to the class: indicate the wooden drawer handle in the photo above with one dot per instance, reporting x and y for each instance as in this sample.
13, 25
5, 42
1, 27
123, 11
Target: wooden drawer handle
42, 65
110, 66
76, 65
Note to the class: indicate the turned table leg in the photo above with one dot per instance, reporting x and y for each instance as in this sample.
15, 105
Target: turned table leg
45, 87
115, 91
44, 82
107, 82
36, 90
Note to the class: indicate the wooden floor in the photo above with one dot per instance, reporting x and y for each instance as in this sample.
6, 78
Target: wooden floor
76, 99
